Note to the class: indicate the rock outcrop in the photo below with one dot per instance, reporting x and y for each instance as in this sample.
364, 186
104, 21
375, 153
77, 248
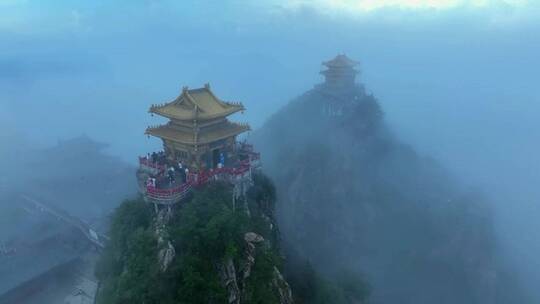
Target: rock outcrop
252, 239
283, 288
352, 196
166, 252
236, 282
208, 250
227, 273
166, 256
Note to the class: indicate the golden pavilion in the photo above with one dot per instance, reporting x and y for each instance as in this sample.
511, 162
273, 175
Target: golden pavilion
198, 132
340, 71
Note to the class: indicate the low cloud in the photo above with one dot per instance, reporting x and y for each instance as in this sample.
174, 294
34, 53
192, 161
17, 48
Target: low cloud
372, 5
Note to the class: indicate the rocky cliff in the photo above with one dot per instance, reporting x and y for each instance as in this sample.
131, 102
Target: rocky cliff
204, 251
353, 196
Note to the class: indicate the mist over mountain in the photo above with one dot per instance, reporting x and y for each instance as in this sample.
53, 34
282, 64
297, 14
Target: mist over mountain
351, 195
42, 258
425, 185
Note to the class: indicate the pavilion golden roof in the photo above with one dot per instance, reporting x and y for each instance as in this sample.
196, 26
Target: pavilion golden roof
196, 104
204, 136
341, 61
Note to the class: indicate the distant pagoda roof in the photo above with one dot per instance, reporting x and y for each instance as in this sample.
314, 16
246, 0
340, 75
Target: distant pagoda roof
341, 61
204, 136
196, 104
340, 71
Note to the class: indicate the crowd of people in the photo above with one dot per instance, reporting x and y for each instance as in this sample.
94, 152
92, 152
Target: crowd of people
159, 158
175, 171
178, 169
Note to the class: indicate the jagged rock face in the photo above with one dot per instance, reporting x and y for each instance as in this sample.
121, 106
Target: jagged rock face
236, 282
283, 288
252, 237
166, 256
166, 252
227, 273
352, 196
205, 251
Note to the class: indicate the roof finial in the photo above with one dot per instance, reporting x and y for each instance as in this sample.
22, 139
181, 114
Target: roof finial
184, 89
207, 86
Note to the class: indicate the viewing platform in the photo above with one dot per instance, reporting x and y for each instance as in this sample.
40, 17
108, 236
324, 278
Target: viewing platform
161, 185
199, 145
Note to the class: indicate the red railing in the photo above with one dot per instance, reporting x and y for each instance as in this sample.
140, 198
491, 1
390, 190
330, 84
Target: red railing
175, 194
171, 195
144, 161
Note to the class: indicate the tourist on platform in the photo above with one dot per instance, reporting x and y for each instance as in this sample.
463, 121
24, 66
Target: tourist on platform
163, 158
154, 157
182, 176
182, 172
221, 159
171, 174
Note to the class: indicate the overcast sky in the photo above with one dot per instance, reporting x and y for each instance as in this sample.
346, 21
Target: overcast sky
457, 79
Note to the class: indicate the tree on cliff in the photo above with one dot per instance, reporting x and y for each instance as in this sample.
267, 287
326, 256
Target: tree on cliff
224, 254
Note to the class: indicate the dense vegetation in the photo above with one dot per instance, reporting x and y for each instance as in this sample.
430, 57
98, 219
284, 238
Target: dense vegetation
205, 232
309, 287
353, 196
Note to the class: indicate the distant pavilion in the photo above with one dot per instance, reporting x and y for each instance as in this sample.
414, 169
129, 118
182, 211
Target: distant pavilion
340, 71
